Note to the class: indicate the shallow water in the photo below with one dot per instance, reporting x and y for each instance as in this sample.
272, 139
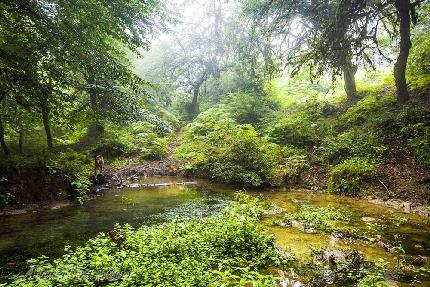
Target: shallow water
46, 233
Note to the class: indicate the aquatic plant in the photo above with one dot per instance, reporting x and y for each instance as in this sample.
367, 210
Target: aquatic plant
225, 251
318, 218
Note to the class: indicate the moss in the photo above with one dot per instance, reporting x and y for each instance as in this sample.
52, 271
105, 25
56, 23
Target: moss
347, 177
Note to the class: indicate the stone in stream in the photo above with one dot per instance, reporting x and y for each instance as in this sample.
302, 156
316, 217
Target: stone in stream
353, 257
407, 207
275, 210
420, 260
368, 219
345, 235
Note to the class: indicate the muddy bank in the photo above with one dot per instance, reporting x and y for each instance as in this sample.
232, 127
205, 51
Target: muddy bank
32, 184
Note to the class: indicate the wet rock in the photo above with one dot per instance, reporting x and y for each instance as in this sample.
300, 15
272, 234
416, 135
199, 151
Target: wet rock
353, 258
275, 210
307, 229
394, 203
368, 219
60, 205
287, 280
420, 260
134, 185
407, 207
285, 254
387, 247
344, 235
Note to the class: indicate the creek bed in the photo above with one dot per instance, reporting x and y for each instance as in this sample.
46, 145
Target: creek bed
47, 232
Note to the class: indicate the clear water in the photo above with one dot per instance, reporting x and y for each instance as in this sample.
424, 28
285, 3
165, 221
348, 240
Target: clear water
46, 233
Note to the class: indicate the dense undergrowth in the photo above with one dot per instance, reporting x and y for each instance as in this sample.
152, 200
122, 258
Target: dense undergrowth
73, 155
351, 140
228, 250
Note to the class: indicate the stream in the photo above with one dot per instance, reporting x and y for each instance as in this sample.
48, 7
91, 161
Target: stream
47, 232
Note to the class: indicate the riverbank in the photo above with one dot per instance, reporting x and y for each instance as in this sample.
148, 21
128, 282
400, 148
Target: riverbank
316, 231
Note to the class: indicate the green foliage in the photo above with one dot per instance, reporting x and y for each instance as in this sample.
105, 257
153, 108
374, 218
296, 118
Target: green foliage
374, 277
372, 111
110, 148
318, 218
247, 108
421, 147
297, 130
347, 177
6, 198
81, 185
75, 167
216, 146
228, 250
356, 142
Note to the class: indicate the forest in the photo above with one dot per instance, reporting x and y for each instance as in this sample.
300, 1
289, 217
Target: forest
215, 143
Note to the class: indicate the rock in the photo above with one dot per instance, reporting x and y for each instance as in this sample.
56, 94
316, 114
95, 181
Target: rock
392, 283
387, 247
394, 203
407, 207
60, 205
274, 211
376, 201
134, 185
307, 229
353, 257
420, 260
285, 254
344, 235
368, 219
13, 212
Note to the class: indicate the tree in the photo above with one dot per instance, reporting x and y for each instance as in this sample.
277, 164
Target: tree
338, 35
49, 47
406, 15
319, 34
196, 52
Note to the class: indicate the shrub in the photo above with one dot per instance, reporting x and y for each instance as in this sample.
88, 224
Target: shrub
295, 161
296, 130
372, 112
319, 218
76, 167
355, 142
421, 147
248, 108
215, 145
346, 178
228, 250
110, 148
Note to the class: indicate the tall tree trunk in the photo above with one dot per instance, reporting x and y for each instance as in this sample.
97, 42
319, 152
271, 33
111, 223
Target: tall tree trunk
3, 141
45, 118
349, 71
403, 10
194, 102
21, 137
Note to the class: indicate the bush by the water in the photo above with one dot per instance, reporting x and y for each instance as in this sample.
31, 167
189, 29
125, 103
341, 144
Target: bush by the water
215, 145
347, 177
228, 250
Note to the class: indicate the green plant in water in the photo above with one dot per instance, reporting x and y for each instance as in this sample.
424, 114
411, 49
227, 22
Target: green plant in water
6, 198
319, 218
347, 177
374, 277
81, 185
228, 250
